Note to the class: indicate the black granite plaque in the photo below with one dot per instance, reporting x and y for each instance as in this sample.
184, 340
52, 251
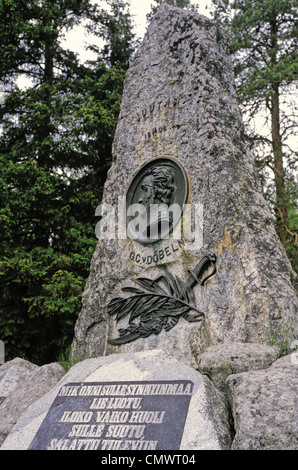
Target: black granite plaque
116, 416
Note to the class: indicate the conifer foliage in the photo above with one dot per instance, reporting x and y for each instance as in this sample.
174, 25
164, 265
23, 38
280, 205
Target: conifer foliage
55, 149
187, 4
264, 47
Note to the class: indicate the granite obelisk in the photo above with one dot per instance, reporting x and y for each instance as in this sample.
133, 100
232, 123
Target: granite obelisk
179, 113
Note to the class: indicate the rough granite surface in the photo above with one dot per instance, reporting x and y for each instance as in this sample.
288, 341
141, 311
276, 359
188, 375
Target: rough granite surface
222, 360
179, 100
264, 406
23, 383
13, 374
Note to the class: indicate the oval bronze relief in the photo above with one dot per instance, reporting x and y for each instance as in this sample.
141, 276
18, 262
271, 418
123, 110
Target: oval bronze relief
155, 199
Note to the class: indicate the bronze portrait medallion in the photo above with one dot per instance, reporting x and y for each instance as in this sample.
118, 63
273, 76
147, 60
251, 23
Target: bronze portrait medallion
155, 199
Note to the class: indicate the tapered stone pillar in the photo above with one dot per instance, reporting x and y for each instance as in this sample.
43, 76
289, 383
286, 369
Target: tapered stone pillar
179, 112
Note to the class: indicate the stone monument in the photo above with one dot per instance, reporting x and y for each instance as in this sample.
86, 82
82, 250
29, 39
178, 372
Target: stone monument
188, 274
210, 269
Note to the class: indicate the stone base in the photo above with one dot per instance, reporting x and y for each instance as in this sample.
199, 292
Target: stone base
206, 425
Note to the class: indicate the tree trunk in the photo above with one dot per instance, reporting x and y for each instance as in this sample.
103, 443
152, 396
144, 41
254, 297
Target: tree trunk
279, 174
46, 83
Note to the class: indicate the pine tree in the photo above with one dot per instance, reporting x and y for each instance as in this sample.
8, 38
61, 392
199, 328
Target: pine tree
55, 150
175, 3
264, 50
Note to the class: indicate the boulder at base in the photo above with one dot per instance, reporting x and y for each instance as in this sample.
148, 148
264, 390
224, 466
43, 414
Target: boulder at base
159, 391
22, 384
264, 406
222, 360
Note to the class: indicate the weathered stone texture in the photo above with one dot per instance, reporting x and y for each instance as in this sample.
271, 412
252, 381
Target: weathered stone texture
222, 360
21, 384
264, 405
13, 374
179, 100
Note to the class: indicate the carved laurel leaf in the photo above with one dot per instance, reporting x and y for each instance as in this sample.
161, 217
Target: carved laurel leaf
150, 285
178, 288
156, 301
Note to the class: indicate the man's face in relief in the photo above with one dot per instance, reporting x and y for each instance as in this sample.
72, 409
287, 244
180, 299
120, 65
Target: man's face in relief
148, 195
